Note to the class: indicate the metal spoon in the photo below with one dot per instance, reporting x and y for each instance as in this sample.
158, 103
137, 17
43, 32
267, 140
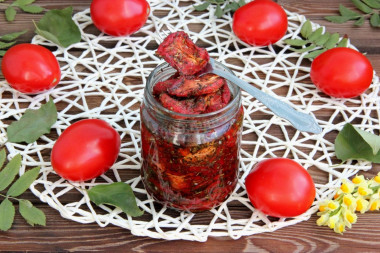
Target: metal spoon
301, 121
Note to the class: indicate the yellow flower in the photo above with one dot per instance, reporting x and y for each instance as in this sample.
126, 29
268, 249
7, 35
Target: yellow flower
358, 179
332, 221
361, 205
347, 187
340, 227
323, 219
364, 190
332, 205
349, 217
329, 205
374, 182
377, 178
374, 204
323, 206
349, 201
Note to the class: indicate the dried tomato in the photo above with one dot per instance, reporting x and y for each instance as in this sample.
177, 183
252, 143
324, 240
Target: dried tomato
206, 84
187, 106
182, 54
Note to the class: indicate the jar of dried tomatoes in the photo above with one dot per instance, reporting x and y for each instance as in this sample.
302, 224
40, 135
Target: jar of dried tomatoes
189, 162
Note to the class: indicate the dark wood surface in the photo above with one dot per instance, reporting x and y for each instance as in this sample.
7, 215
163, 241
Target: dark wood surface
65, 235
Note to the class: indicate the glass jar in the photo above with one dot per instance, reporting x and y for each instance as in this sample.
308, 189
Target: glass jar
189, 162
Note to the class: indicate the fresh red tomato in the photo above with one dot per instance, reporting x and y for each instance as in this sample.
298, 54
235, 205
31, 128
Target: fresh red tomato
341, 72
280, 187
260, 23
30, 68
85, 150
119, 17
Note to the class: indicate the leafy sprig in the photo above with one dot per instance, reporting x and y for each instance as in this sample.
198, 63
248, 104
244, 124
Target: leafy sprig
23, 130
8, 40
24, 5
30, 213
369, 9
222, 6
315, 42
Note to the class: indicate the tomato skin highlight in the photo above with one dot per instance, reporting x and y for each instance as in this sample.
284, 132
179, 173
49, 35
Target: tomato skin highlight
30, 68
119, 17
85, 150
280, 187
341, 72
260, 23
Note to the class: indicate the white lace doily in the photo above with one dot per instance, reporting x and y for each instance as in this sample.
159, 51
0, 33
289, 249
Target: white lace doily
116, 69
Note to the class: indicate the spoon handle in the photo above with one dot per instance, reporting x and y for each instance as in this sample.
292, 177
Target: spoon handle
301, 121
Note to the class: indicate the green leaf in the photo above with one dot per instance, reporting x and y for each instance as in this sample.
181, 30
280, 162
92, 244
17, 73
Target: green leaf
343, 43
33, 124
331, 42
337, 19
306, 29
231, 7
117, 194
218, 11
23, 2
322, 39
316, 34
375, 20
315, 53
10, 13
354, 143
344, 11
2, 52
8, 174
201, 7
359, 22
3, 155
12, 36
34, 9
58, 27
296, 42
362, 6
241, 3
23, 183
372, 3
371, 139
31, 214
6, 45
305, 49
7, 214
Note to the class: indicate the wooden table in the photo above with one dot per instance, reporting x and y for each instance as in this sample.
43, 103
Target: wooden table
65, 235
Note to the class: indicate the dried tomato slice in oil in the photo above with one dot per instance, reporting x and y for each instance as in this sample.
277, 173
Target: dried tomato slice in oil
187, 106
206, 84
182, 54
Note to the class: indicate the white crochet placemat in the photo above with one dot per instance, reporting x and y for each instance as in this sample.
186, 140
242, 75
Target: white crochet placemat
116, 70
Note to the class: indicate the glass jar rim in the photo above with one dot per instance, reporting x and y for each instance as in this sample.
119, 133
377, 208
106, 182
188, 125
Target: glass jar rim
190, 117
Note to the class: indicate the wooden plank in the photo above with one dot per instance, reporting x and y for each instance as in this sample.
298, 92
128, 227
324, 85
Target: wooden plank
65, 235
